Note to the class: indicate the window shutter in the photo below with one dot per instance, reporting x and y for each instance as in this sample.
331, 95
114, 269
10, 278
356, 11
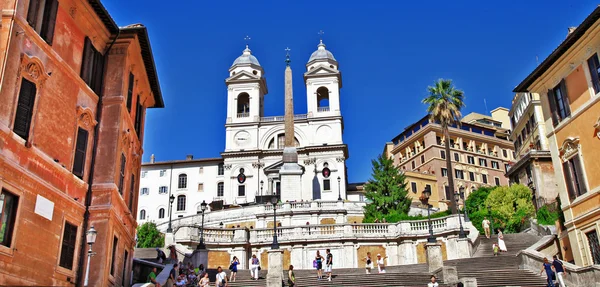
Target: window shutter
138, 118
80, 152
569, 179
131, 188
24, 109
130, 93
49, 20
577, 164
593, 66
32, 13
563, 88
553, 110
97, 72
122, 174
87, 62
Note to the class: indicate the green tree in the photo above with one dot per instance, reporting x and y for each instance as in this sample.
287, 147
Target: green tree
386, 191
511, 206
148, 236
476, 207
445, 103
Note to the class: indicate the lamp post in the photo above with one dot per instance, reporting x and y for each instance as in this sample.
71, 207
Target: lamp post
461, 233
171, 199
201, 245
261, 189
489, 208
275, 244
91, 239
426, 195
339, 189
462, 196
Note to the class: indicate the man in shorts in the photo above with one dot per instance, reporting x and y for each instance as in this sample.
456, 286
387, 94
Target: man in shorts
328, 263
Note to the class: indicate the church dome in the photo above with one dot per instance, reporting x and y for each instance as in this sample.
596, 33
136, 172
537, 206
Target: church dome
321, 54
246, 58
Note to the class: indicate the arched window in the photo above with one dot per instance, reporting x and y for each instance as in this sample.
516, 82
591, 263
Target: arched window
221, 169
220, 189
180, 202
161, 213
280, 143
243, 105
142, 214
182, 181
322, 99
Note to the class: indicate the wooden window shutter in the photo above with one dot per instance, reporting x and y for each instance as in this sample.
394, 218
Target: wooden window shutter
569, 179
80, 152
593, 66
32, 13
97, 72
553, 109
131, 189
49, 20
122, 174
579, 180
130, 92
87, 62
24, 112
138, 118
567, 103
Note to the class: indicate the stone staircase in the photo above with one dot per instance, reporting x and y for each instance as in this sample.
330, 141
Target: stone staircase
502, 270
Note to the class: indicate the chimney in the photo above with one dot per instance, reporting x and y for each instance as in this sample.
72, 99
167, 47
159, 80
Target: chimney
189, 157
152, 158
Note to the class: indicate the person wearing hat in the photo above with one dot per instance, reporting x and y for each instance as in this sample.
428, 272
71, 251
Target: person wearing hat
381, 263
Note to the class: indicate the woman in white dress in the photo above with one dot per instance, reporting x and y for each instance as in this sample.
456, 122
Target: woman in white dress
501, 244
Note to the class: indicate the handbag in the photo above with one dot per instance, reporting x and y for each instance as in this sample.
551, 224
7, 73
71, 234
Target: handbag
258, 268
231, 267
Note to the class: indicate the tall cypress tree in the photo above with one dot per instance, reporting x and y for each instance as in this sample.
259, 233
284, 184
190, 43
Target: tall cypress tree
386, 191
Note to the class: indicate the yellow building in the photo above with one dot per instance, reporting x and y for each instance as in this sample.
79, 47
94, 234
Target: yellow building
416, 183
568, 86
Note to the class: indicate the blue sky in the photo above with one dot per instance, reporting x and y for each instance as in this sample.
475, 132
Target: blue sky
388, 51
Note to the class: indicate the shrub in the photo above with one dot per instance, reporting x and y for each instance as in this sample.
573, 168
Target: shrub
545, 216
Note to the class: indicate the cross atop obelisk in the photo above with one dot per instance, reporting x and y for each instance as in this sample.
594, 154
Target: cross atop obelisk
289, 105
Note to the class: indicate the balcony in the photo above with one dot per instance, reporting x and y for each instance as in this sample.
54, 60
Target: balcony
243, 115
322, 109
281, 118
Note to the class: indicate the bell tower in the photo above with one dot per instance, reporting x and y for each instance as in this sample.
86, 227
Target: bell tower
323, 82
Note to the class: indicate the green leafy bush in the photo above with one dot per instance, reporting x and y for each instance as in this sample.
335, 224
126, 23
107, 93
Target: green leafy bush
510, 205
545, 216
148, 236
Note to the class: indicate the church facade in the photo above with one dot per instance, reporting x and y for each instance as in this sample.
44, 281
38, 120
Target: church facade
248, 170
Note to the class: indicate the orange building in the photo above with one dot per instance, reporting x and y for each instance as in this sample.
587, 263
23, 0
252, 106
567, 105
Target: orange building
568, 86
74, 88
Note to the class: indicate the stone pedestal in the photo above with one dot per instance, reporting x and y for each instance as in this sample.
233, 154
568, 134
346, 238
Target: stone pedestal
469, 282
169, 239
463, 248
275, 268
290, 174
434, 256
200, 256
450, 275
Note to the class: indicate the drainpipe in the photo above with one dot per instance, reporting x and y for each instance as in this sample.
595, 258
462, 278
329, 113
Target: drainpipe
88, 194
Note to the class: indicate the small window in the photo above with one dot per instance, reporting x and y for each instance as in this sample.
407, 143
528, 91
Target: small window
444, 172
471, 176
142, 214
161, 213
163, 172
595, 72
92, 67
495, 165
241, 190
221, 169
443, 154
122, 174
471, 159
200, 187
428, 186
130, 91
24, 113
182, 181
80, 152
504, 153
145, 191
483, 162
422, 159
413, 164
326, 185
131, 191
459, 174
181, 200
139, 116
243, 105
41, 16
201, 171
497, 181
67, 250
559, 103
144, 173
456, 157
8, 213
413, 187
220, 189
114, 253
163, 190
484, 178
573, 172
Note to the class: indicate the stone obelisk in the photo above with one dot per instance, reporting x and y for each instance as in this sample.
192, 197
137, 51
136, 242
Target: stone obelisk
290, 173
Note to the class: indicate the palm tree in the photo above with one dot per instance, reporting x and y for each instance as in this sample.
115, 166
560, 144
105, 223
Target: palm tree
445, 103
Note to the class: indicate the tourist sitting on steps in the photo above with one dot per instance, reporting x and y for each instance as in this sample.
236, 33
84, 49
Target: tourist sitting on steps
433, 282
152, 278
204, 282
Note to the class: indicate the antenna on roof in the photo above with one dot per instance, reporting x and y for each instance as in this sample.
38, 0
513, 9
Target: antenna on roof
537, 60
486, 108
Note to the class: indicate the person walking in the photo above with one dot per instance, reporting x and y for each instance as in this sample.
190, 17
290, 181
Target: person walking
381, 263
172, 276
319, 267
328, 264
254, 267
548, 268
501, 243
291, 276
486, 227
221, 278
559, 269
368, 263
234, 268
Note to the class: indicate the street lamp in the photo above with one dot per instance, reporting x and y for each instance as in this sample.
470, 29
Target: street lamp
489, 208
426, 196
261, 190
171, 199
201, 245
275, 244
339, 189
91, 239
461, 233
462, 196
